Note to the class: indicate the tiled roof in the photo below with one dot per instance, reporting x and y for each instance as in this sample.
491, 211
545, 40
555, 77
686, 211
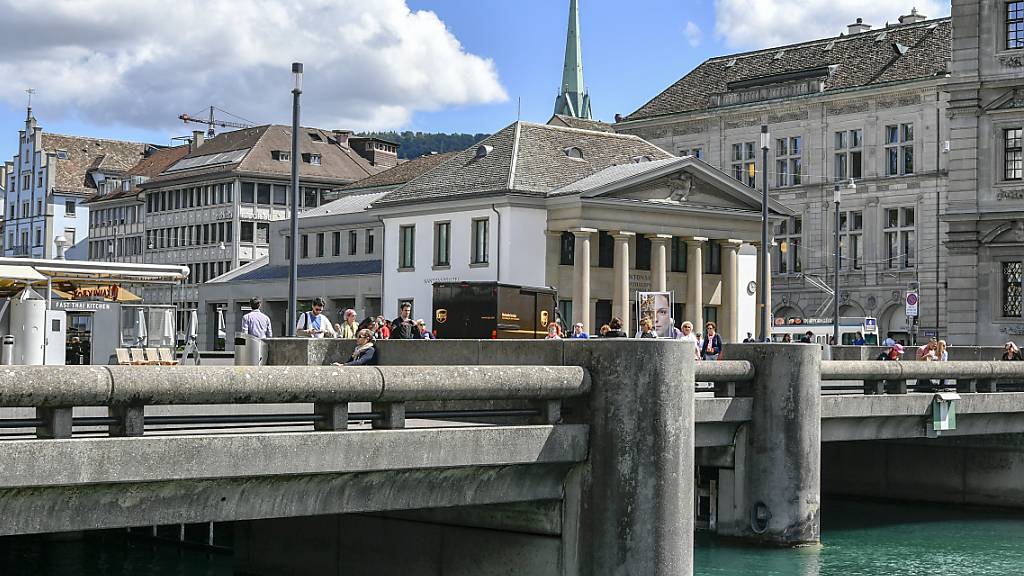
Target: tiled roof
86, 155
581, 123
895, 54
361, 267
254, 148
402, 173
352, 203
523, 158
150, 166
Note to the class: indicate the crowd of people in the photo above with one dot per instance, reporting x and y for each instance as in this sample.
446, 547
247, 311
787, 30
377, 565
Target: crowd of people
707, 346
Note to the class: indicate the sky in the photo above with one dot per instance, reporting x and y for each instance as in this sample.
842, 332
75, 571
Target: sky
125, 69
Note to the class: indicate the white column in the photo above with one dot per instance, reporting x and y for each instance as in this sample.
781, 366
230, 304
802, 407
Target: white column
620, 302
730, 297
659, 261
695, 282
581, 277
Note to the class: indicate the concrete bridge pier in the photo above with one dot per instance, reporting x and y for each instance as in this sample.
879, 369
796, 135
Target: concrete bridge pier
773, 495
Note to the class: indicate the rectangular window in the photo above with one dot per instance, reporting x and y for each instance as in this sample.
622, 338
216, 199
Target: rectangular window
1013, 157
900, 238
311, 198
1014, 25
263, 193
406, 246
280, 195
743, 169
336, 243
712, 258
849, 157
320, 245
288, 248
643, 252
281, 155
69, 208
899, 150
305, 246
678, 255
788, 236
246, 231
851, 247
263, 233
567, 250
248, 192
481, 240
369, 241
353, 239
442, 243
788, 166
605, 250
1013, 296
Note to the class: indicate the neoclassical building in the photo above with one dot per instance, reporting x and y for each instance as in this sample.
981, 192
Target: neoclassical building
868, 105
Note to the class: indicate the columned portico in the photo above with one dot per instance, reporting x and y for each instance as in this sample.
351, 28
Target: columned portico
620, 299
695, 281
659, 261
581, 277
730, 295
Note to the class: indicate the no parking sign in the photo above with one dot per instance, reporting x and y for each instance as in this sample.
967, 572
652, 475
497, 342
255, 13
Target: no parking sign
912, 301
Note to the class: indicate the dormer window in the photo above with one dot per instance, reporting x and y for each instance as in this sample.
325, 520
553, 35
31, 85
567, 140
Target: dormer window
483, 150
313, 159
62, 154
315, 137
281, 155
574, 152
639, 159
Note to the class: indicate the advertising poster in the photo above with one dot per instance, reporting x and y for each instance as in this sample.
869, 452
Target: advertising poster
658, 307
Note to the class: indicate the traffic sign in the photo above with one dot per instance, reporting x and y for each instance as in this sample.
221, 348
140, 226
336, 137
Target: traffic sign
912, 301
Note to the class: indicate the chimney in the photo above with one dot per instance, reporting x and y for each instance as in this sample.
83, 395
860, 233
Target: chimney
197, 140
342, 137
913, 17
858, 27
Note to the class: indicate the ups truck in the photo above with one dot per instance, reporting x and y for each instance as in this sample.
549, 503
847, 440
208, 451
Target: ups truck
492, 310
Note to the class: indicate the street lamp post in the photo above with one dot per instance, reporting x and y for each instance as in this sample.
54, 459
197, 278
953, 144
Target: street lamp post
763, 280
851, 187
293, 268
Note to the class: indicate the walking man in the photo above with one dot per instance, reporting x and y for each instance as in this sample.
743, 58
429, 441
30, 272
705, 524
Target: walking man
256, 323
403, 327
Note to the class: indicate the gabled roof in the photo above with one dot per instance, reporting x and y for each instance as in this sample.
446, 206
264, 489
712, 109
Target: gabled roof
524, 159
616, 178
156, 162
85, 155
251, 151
402, 173
901, 53
580, 123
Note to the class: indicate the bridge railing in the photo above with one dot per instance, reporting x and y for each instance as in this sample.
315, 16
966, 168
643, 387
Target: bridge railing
126, 390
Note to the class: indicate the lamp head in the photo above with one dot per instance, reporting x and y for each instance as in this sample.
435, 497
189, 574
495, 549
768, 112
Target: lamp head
297, 75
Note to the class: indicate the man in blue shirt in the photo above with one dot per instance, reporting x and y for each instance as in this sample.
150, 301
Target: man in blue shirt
578, 332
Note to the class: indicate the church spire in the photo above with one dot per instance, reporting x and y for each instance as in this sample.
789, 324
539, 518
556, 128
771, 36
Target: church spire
573, 99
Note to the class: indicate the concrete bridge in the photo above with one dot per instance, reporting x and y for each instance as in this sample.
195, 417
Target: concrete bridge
484, 457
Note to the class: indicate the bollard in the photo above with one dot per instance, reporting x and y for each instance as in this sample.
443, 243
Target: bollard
776, 493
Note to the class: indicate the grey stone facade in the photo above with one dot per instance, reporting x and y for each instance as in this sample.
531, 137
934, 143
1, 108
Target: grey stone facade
889, 258
986, 194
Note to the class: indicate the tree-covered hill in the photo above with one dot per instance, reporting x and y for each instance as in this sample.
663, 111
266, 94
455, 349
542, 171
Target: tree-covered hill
416, 144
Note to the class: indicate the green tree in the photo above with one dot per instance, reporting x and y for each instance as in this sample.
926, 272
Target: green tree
416, 144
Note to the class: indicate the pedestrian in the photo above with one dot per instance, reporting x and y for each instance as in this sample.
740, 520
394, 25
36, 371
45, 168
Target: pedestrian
604, 330
673, 332
314, 324
255, 322
712, 345
349, 327
787, 339
403, 327
1011, 352
889, 340
894, 353
615, 329
688, 335
554, 331
578, 332
365, 353
859, 340
749, 338
807, 338
646, 329
421, 325
927, 350
383, 328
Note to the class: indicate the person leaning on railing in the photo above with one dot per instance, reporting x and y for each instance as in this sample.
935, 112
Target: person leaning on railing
365, 353
1011, 352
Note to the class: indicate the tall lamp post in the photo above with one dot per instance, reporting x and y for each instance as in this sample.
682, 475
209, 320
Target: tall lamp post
850, 187
293, 268
763, 280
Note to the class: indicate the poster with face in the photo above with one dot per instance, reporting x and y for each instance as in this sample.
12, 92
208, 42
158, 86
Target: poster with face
658, 307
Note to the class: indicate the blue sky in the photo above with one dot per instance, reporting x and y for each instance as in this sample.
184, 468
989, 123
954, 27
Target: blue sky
132, 84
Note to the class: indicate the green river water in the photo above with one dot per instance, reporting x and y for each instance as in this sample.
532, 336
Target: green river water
858, 538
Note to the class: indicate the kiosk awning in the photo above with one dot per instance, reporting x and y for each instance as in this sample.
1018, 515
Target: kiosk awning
12, 274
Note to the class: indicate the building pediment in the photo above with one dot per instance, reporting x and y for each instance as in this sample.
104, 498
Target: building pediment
1006, 233
1009, 100
682, 189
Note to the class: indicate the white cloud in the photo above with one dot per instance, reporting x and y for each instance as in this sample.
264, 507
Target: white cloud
746, 24
367, 64
693, 34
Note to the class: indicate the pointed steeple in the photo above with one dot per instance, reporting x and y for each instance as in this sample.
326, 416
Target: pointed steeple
573, 99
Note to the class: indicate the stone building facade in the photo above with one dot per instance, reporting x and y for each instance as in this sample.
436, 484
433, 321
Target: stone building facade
867, 105
985, 214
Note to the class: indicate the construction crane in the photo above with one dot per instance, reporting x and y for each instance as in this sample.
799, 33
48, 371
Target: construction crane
211, 121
